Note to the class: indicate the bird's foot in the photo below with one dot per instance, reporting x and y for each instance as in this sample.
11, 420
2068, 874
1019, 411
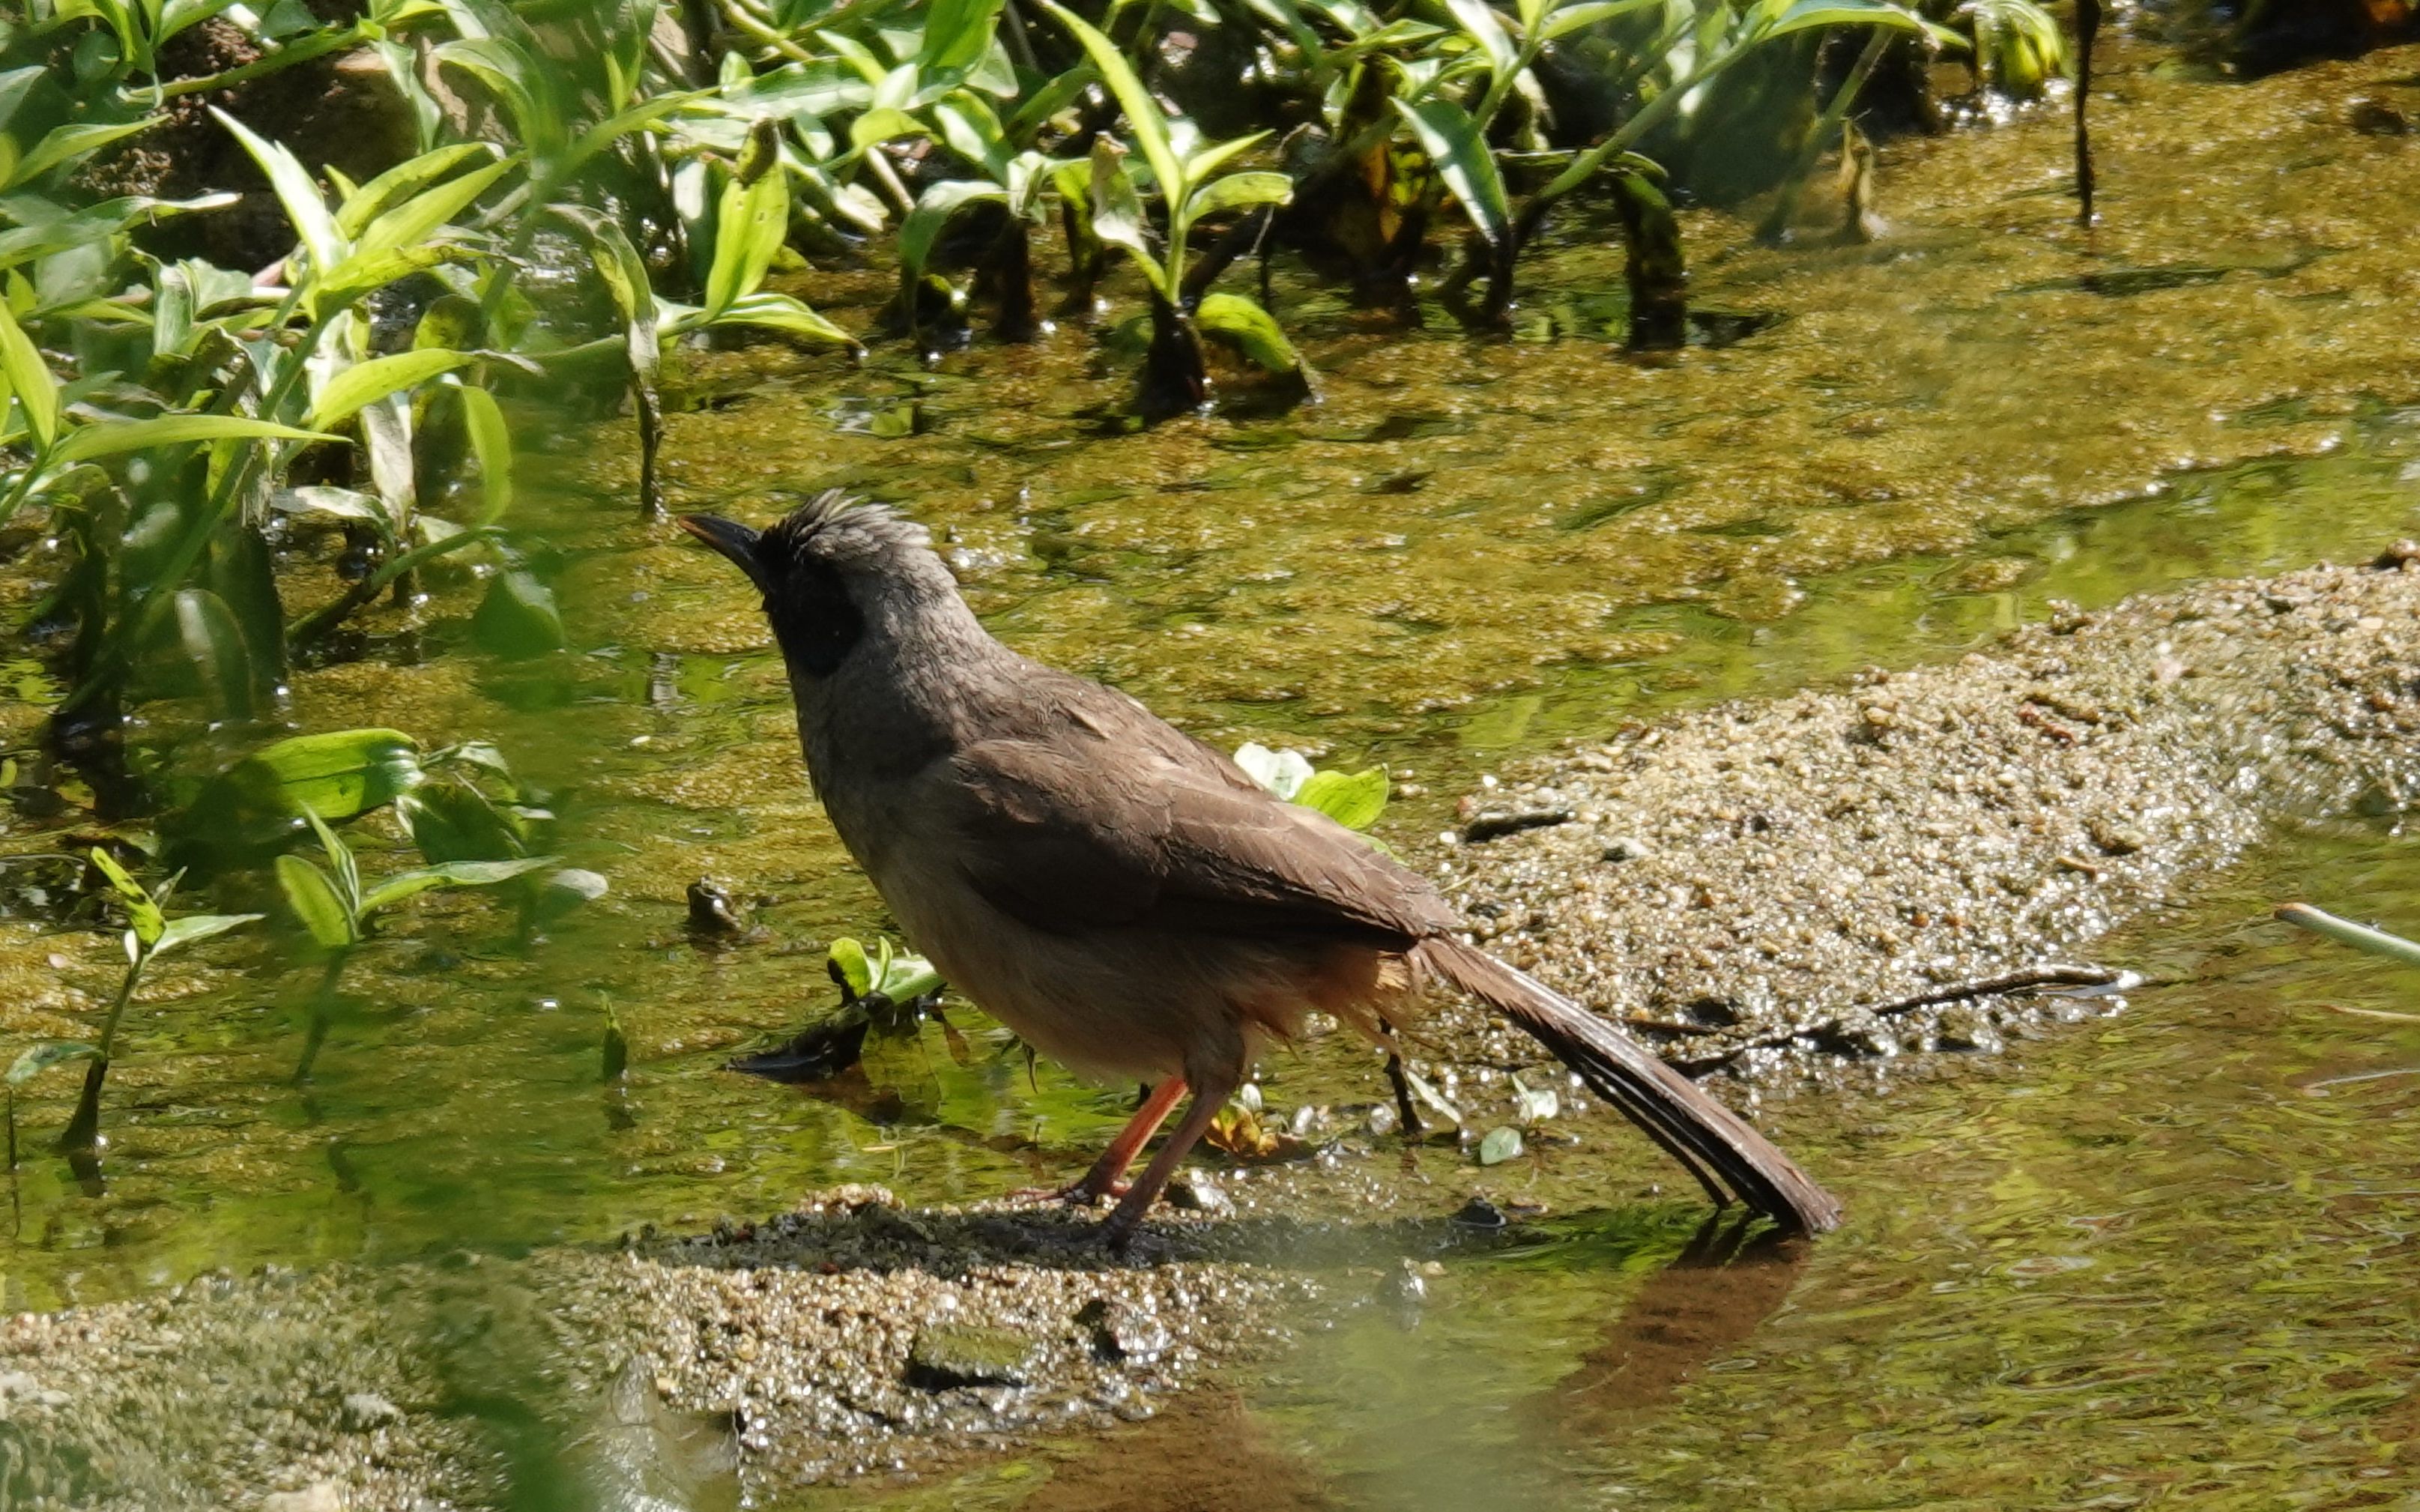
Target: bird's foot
1084, 1193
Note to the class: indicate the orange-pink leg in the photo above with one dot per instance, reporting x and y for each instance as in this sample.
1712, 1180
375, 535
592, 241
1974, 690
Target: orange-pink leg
1107, 1179
1210, 1094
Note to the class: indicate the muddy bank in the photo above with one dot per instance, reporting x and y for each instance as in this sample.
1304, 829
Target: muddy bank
1759, 887
1754, 879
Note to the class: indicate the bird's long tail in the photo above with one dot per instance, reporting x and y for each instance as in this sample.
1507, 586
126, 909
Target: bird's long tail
1718, 1148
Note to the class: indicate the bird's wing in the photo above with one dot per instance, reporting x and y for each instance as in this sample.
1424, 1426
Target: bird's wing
1100, 815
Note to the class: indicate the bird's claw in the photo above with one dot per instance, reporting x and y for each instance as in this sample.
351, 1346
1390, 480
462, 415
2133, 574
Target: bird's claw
1080, 1193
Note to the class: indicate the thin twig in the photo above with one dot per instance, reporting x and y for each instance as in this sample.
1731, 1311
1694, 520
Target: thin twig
2026, 979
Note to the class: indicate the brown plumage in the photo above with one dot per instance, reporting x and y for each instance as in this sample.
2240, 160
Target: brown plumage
1121, 896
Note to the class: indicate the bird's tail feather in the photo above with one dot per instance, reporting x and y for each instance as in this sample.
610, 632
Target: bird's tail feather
1725, 1155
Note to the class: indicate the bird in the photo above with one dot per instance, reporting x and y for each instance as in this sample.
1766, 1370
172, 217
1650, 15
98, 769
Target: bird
1122, 897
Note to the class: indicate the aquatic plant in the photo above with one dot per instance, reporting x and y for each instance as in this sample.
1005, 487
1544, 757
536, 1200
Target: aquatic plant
884, 989
1175, 376
150, 933
338, 910
1354, 800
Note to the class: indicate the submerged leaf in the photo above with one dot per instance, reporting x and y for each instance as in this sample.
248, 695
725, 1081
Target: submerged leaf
1248, 328
517, 620
36, 1059
1501, 1145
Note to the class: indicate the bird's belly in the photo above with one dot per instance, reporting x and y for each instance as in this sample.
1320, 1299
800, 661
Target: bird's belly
1114, 1003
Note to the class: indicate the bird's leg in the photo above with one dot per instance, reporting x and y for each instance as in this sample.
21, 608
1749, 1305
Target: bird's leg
1210, 1094
1107, 1179
1412, 1127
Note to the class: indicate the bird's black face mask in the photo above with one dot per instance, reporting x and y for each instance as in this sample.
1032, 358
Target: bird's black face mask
808, 605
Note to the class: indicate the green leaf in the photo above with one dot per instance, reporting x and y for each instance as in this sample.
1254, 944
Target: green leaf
24, 374
855, 970
1479, 22
1807, 14
194, 927
405, 885
957, 34
1144, 116
216, 659
141, 911
923, 225
1201, 165
337, 503
337, 774
304, 205
1238, 190
400, 183
313, 898
782, 312
1117, 211
905, 978
86, 227
613, 127
749, 229
883, 124
366, 382
1248, 329
358, 276
1570, 19
492, 442
624, 272
1355, 801
36, 1059
517, 619
66, 142
456, 821
1501, 1145
340, 860
1454, 142
418, 218
111, 438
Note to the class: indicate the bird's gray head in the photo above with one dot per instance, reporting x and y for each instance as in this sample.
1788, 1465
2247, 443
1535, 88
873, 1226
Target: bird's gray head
833, 571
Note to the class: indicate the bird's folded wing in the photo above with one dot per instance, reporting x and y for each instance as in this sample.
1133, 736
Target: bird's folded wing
1096, 830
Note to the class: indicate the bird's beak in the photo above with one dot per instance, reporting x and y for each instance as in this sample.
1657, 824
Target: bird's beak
733, 540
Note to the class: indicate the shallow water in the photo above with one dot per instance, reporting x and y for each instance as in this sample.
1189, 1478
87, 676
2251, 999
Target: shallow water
2161, 1258
2152, 1249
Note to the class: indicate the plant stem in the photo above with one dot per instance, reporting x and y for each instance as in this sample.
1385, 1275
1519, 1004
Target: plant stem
2344, 931
316, 1035
84, 1129
2087, 26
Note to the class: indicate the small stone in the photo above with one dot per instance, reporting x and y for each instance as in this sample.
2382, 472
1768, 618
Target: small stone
947, 1355
2376, 117
1122, 1330
1480, 1213
2114, 839
1194, 1191
1628, 848
1965, 1027
319, 1496
2395, 555
365, 1411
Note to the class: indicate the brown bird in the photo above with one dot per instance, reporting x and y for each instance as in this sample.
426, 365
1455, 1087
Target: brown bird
1121, 896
